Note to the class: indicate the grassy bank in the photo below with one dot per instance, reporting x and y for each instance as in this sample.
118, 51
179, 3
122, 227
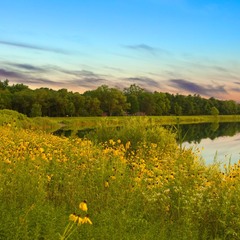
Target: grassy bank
88, 122
140, 186
18, 120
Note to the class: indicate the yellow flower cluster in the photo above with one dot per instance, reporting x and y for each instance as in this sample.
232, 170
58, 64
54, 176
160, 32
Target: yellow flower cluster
64, 169
77, 218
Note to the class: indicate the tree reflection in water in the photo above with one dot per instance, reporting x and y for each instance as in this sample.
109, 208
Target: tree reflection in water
216, 141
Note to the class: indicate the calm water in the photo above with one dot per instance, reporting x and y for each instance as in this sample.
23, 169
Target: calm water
219, 141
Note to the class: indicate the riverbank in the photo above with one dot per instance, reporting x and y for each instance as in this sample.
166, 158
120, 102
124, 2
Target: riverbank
87, 122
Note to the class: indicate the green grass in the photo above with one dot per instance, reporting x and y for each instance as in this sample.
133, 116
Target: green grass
85, 122
18, 120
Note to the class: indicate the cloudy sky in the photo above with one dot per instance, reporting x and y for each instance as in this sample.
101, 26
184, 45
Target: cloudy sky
176, 46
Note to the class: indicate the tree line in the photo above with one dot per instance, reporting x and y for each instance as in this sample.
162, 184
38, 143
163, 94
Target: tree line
106, 101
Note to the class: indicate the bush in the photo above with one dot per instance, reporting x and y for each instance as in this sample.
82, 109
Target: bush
13, 118
137, 131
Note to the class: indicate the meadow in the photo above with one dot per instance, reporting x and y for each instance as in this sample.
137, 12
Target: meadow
136, 181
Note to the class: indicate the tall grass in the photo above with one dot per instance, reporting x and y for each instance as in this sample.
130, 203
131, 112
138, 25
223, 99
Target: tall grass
139, 187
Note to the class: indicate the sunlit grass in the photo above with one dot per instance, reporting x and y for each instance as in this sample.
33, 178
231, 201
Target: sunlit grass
85, 122
139, 187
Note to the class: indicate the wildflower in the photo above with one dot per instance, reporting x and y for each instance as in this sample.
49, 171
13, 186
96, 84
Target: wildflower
73, 217
86, 219
111, 142
41, 150
49, 177
79, 220
83, 206
106, 184
127, 146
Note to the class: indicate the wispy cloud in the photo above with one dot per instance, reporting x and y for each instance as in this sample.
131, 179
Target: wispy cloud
27, 78
204, 90
81, 73
144, 81
44, 82
52, 76
220, 69
9, 74
236, 89
28, 67
35, 47
146, 48
114, 69
89, 83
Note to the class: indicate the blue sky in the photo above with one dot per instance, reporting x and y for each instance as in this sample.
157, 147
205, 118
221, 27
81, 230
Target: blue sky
176, 46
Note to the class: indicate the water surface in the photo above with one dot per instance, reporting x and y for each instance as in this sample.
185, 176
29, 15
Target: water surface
221, 143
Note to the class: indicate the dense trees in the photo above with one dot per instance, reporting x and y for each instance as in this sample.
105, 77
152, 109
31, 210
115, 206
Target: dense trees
107, 101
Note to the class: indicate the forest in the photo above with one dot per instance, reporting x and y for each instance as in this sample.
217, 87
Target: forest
106, 101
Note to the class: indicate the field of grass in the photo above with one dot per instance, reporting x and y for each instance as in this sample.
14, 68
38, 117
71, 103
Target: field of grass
137, 183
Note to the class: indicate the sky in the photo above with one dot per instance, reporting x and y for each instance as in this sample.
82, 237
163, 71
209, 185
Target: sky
175, 46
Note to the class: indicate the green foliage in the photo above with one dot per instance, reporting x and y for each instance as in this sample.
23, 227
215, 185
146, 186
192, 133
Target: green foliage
108, 102
136, 130
214, 111
112, 100
14, 119
36, 110
17, 120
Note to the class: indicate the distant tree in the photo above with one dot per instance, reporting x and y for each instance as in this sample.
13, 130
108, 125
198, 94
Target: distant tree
112, 100
214, 111
162, 104
22, 101
4, 84
133, 90
147, 103
134, 104
177, 109
92, 107
36, 110
18, 87
5, 99
79, 104
70, 109
108, 101
133, 94
207, 108
229, 107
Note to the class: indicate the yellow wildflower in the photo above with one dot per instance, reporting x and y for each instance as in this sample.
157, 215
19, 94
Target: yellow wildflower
106, 184
41, 150
127, 146
86, 220
79, 221
73, 217
83, 206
